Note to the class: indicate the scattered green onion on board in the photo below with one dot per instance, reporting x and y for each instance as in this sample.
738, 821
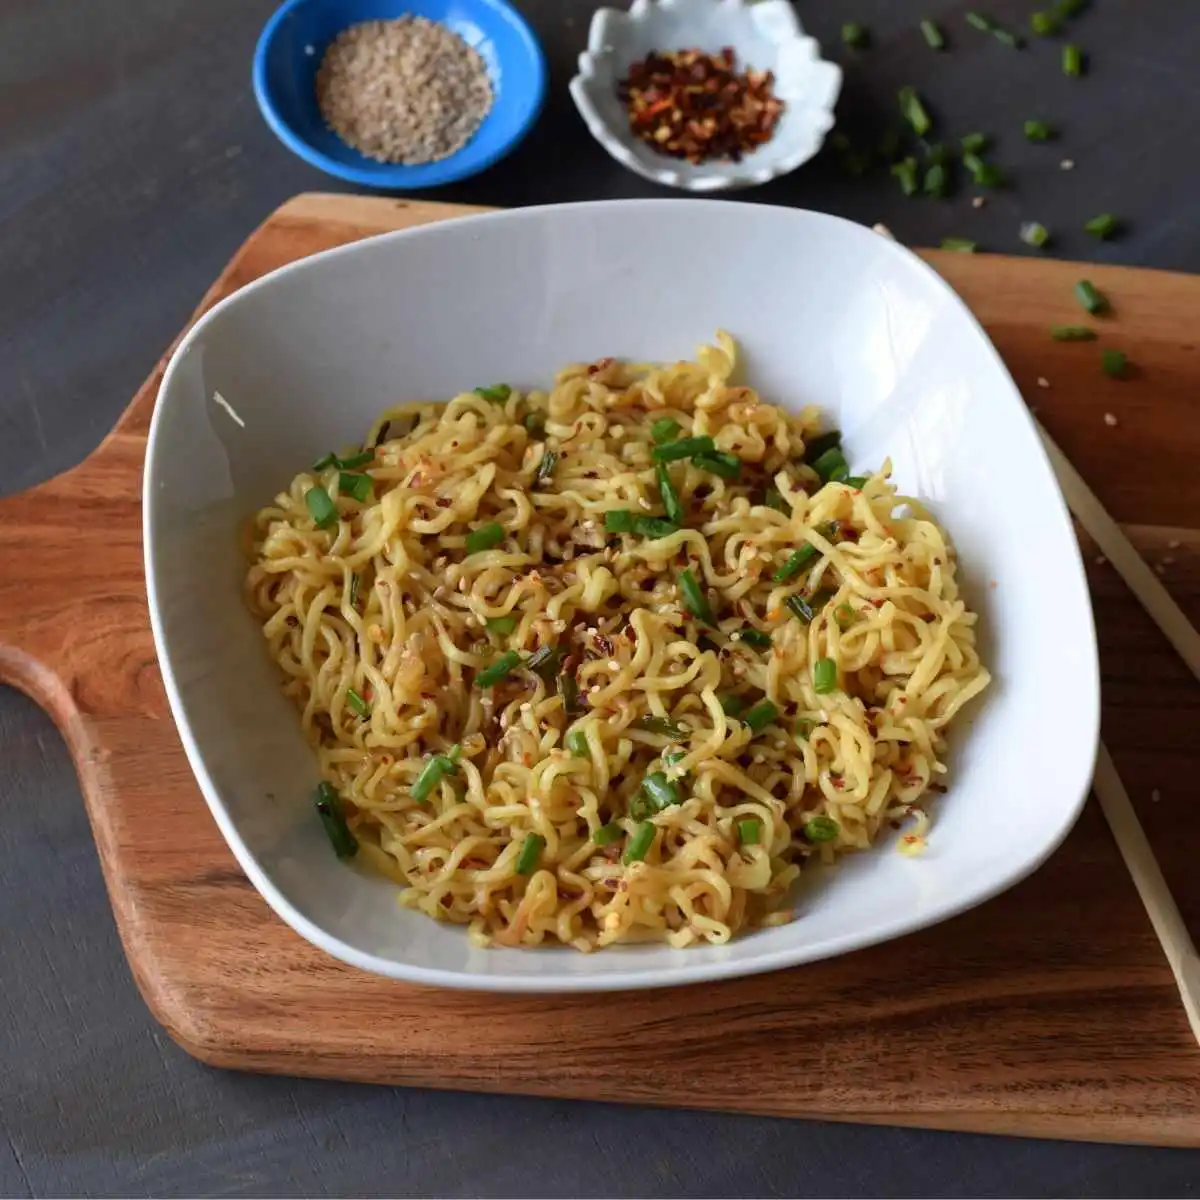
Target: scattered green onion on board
693, 596
937, 181
985, 174
502, 626
1089, 297
1034, 234
357, 703
486, 537
932, 35
664, 430
1072, 333
1115, 363
531, 851
905, 172
974, 143
1072, 60
687, 447
761, 715
329, 807
1071, 8
640, 843
960, 245
321, 508
1037, 131
545, 468
497, 393
607, 834
914, 111
500, 670
754, 637
824, 675
1103, 226
668, 728
821, 829
749, 831
1045, 24
672, 505
855, 35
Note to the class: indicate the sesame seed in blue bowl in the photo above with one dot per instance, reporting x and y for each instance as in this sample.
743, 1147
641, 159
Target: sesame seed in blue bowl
399, 94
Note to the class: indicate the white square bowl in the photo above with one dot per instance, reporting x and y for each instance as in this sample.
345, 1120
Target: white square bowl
826, 312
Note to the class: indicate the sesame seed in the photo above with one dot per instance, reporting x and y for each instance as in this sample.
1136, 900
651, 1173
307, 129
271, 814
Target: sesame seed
614, 665
1100, 560
880, 228
1159, 569
1110, 419
1043, 382
1173, 544
593, 689
644, 503
1155, 796
1167, 560
979, 202
1067, 164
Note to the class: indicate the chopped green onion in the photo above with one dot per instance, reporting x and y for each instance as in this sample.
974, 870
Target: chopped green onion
906, 172
577, 743
1072, 60
687, 447
545, 468
652, 724
664, 430
761, 715
985, 174
321, 508
1091, 299
356, 486
932, 34
357, 703
754, 637
749, 831
732, 706
719, 462
531, 851
662, 792
497, 393
796, 560
1008, 39
839, 474
857, 482
845, 614
1103, 226
800, 608
937, 180
854, 35
960, 246
431, 775
568, 693
822, 442
914, 111
773, 498
543, 661
618, 520
829, 462
355, 580
670, 497
1115, 363
654, 527
979, 22
329, 807
803, 728
821, 829
502, 626
504, 666
693, 596
1071, 8
986, 25
607, 834
1038, 131
1045, 24
535, 422
356, 460
1034, 234
325, 462
640, 843
824, 676
486, 537
1072, 333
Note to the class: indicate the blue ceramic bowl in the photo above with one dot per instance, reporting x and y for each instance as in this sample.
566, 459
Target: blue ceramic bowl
295, 39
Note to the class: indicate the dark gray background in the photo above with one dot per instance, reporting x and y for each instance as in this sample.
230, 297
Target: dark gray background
132, 163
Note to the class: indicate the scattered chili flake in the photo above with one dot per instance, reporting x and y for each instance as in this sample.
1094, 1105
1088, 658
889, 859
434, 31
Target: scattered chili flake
688, 104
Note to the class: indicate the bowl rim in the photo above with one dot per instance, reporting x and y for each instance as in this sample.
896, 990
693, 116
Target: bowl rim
395, 176
1086, 705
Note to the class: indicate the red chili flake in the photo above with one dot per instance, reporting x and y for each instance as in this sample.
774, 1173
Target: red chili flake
604, 645
688, 104
443, 502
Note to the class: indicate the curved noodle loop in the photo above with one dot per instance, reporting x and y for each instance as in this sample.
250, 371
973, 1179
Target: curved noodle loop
608, 664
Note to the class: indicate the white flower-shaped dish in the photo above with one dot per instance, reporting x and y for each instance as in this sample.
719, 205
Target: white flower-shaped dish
765, 35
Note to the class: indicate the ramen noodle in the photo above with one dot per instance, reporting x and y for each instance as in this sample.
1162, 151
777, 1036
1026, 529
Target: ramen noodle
613, 662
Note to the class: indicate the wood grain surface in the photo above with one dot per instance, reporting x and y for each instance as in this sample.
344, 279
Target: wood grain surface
1048, 1011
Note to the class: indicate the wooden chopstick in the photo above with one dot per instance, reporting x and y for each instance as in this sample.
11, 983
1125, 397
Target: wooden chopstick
1152, 887
1129, 564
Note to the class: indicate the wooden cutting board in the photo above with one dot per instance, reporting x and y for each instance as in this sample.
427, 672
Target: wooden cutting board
1048, 1011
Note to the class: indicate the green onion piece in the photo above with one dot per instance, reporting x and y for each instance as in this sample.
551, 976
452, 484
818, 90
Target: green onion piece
749, 831
754, 637
607, 834
355, 580
824, 676
857, 482
985, 174
543, 661
1092, 300
960, 245
829, 462
1045, 24
618, 520
773, 498
545, 468
535, 422
1038, 131
640, 843
803, 728
976, 21
502, 626
1103, 226
325, 462
1071, 8
654, 527
357, 486
674, 757
914, 111
497, 393
329, 806
800, 608
664, 430
430, 776
486, 537
1008, 39
531, 851
357, 703
356, 460
822, 442
732, 706
821, 829
796, 560
974, 143
1072, 60
937, 180
568, 693
720, 462
669, 496
1073, 333
668, 728
932, 35
577, 743
906, 172
1115, 363
854, 35
1034, 234
687, 447
845, 614
504, 666
693, 596
839, 474
662, 792
761, 715
321, 508
937, 153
